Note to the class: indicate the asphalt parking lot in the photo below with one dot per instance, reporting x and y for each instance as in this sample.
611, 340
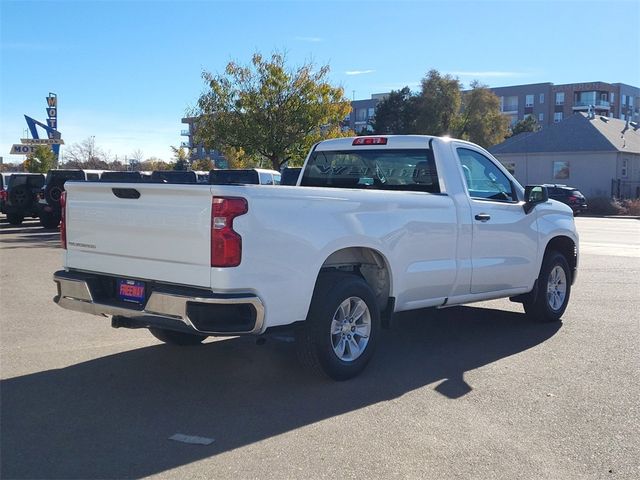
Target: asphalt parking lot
475, 392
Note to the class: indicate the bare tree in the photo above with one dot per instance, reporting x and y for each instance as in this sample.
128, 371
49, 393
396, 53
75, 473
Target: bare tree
85, 154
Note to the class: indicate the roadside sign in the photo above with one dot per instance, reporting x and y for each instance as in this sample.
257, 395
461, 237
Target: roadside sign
18, 149
42, 141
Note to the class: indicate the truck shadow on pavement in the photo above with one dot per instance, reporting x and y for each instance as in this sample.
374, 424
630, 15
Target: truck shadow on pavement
111, 417
30, 234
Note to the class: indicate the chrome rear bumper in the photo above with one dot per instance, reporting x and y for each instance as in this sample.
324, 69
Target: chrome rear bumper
75, 292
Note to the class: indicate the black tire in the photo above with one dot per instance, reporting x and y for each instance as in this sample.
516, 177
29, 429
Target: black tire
15, 219
314, 341
177, 338
49, 221
538, 308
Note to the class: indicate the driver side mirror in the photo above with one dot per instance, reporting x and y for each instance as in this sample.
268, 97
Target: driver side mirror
533, 195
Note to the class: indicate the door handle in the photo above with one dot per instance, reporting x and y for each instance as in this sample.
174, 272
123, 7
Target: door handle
483, 217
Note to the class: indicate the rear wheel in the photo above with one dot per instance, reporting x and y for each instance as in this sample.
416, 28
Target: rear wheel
49, 220
554, 288
340, 333
177, 338
14, 219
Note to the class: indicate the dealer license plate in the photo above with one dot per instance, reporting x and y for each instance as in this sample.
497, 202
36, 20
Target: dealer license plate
131, 291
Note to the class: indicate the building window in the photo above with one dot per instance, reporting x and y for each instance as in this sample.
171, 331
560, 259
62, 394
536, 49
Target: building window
509, 104
541, 99
612, 97
560, 170
623, 170
557, 117
541, 117
372, 112
361, 115
528, 102
624, 99
559, 98
630, 101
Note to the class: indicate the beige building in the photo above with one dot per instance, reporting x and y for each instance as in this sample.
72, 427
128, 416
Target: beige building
598, 155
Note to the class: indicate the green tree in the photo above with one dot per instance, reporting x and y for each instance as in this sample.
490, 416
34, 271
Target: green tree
438, 104
397, 113
181, 158
528, 124
480, 120
268, 109
41, 160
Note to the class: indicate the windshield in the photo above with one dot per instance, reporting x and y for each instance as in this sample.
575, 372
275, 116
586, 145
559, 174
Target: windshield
385, 169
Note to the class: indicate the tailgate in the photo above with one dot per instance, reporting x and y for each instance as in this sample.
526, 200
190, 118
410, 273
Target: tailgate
162, 235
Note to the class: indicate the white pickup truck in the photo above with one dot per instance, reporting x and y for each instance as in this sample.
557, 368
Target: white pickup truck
374, 226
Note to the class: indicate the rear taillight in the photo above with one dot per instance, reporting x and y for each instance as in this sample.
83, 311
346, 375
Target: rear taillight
63, 220
226, 244
3, 195
571, 198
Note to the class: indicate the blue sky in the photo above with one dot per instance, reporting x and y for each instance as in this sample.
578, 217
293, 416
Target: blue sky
125, 72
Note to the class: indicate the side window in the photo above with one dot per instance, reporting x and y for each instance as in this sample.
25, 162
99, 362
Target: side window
277, 178
266, 179
483, 178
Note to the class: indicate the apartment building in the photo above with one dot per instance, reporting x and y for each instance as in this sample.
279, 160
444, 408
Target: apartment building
360, 119
197, 151
549, 103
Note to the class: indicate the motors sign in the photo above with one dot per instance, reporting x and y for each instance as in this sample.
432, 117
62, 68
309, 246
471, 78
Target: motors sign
54, 139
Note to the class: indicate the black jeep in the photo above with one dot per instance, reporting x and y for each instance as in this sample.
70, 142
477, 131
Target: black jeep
22, 196
49, 208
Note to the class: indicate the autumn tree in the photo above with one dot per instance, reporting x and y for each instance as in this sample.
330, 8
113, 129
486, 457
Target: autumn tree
443, 108
528, 124
438, 104
480, 120
267, 108
203, 165
41, 160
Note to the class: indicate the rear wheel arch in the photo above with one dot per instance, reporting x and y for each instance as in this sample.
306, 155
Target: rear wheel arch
366, 262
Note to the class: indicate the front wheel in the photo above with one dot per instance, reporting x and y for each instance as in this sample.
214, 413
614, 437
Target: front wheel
340, 333
177, 338
554, 288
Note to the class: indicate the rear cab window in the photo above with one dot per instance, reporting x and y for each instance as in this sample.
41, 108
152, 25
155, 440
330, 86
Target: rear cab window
377, 169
